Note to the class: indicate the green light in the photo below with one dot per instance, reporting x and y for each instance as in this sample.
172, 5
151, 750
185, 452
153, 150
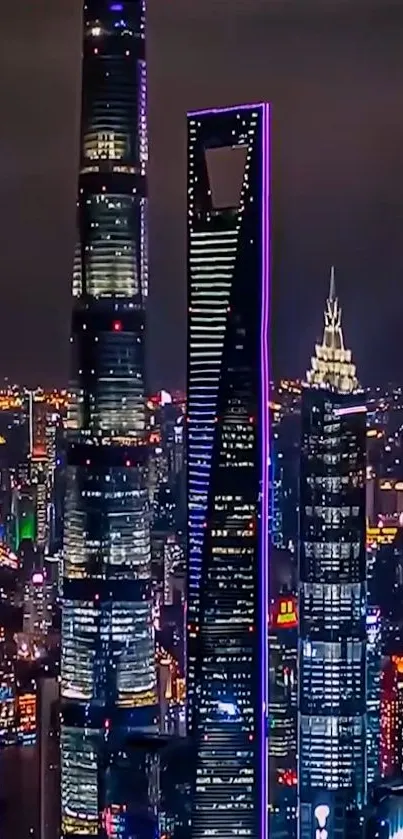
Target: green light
25, 528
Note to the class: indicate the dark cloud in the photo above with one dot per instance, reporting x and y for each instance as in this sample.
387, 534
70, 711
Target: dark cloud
334, 72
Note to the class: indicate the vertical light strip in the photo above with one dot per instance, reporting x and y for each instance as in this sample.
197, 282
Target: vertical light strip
265, 447
142, 117
31, 422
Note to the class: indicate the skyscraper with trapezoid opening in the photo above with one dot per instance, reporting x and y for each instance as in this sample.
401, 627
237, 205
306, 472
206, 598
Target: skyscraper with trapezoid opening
228, 458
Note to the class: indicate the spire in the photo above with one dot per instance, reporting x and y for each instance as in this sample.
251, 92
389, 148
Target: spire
332, 289
331, 366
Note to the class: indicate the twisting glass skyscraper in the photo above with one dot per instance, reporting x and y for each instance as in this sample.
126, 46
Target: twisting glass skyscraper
228, 452
108, 676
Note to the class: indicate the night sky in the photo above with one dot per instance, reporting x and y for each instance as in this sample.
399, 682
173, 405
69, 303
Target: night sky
334, 73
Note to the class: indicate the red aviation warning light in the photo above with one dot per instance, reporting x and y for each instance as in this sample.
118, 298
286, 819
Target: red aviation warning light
287, 777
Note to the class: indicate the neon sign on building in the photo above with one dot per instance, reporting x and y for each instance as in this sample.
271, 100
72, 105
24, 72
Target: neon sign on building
285, 614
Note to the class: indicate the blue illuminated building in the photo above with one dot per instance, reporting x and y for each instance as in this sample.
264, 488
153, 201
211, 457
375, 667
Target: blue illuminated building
385, 816
284, 462
108, 679
228, 457
374, 673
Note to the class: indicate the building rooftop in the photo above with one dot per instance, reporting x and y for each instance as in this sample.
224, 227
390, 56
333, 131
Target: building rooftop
332, 366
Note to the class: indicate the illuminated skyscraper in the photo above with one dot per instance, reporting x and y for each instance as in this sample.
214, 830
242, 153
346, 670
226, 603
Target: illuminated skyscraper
108, 684
38, 420
332, 599
228, 455
331, 366
39, 465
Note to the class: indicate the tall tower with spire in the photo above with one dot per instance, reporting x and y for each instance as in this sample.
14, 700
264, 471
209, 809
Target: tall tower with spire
332, 588
331, 366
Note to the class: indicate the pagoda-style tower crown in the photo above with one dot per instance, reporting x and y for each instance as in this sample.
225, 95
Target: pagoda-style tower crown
331, 366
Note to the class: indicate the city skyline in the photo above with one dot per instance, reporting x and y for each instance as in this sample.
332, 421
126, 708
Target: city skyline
338, 183
201, 590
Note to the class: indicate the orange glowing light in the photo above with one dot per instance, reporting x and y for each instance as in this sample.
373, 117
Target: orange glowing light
285, 613
398, 662
380, 535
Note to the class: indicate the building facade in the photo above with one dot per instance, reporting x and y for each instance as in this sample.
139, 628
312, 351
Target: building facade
332, 596
283, 700
108, 681
374, 676
228, 454
391, 717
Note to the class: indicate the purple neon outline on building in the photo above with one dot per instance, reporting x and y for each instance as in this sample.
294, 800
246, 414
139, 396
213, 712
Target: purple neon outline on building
226, 109
265, 438
265, 444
